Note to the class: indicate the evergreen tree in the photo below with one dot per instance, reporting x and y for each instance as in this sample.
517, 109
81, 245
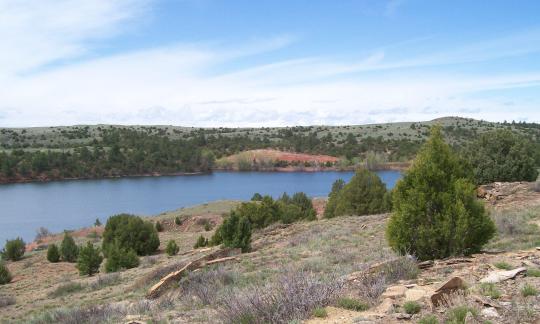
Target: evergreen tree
53, 254
120, 258
235, 232
201, 242
68, 249
172, 248
256, 197
89, 260
330, 209
130, 232
159, 227
14, 249
5, 275
435, 210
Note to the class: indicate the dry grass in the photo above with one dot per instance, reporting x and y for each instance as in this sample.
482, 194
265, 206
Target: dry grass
516, 229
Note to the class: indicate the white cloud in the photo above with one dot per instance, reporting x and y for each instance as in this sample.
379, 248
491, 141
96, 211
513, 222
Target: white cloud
181, 84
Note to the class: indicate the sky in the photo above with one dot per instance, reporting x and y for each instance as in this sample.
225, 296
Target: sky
238, 63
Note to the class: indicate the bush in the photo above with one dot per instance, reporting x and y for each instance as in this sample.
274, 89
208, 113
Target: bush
436, 213
68, 249
6, 300
207, 226
130, 232
235, 232
363, 195
412, 307
502, 155
66, 289
172, 248
177, 221
457, 314
42, 233
53, 254
490, 290
89, 260
330, 209
5, 275
528, 290
533, 272
320, 312
159, 227
120, 258
201, 242
352, 304
503, 265
14, 249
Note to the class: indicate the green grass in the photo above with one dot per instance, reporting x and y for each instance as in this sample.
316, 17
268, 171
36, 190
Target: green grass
352, 304
428, 319
66, 289
503, 265
412, 307
490, 290
528, 290
320, 312
456, 315
533, 272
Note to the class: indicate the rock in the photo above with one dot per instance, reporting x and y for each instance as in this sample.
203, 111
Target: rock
394, 292
490, 312
483, 301
425, 264
498, 276
450, 286
416, 294
401, 316
386, 307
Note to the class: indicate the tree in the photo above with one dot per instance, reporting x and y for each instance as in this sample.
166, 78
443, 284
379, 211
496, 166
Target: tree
5, 275
14, 249
330, 209
53, 254
234, 232
159, 227
256, 197
130, 232
68, 249
120, 258
97, 222
172, 248
201, 242
177, 221
436, 213
363, 195
502, 155
89, 260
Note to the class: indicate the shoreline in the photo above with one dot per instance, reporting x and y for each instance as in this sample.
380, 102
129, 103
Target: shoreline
391, 166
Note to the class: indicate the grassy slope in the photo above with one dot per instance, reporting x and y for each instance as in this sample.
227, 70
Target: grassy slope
63, 137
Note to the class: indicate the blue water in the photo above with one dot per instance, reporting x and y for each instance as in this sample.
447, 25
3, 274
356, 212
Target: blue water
73, 204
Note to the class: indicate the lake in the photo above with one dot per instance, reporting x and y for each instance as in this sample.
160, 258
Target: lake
74, 204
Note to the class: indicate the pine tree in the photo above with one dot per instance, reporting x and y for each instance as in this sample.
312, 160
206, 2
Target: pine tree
172, 248
68, 249
89, 260
120, 258
53, 254
14, 249
5, 275
435, 210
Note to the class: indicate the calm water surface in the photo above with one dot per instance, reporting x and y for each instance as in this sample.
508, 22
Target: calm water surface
74, 204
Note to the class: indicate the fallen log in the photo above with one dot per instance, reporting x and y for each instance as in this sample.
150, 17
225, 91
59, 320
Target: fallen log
212, 258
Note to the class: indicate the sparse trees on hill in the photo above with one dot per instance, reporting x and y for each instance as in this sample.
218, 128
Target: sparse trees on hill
436, 213
502, 155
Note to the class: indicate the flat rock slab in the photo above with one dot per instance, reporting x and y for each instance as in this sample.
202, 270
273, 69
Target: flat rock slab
394, 292
498, 276
448, 287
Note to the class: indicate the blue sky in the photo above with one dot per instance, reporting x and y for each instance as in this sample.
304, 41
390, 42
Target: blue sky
267, 63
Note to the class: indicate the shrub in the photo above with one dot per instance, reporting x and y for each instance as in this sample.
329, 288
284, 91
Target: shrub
207, 226
502, 155
159, 227
412, 307
436, 213
68, 249
42, 233
363, 195
130, 232
14, 249
320, 312
172, 248
235, 232
457, 314
53, 254
66, 289
120, 258
6, 301
528, 290
503, 265
177, 221
97, 222
89, 260
429, 319
533, 272
105, 281
352, 304
5, 275
489, 289
205, 285
201, 242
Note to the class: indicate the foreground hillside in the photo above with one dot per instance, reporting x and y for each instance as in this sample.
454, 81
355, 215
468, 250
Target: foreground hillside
344, 262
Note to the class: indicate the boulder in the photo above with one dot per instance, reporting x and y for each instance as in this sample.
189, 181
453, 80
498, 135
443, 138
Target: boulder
490, 312
394, 292
498, 276
416, 294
